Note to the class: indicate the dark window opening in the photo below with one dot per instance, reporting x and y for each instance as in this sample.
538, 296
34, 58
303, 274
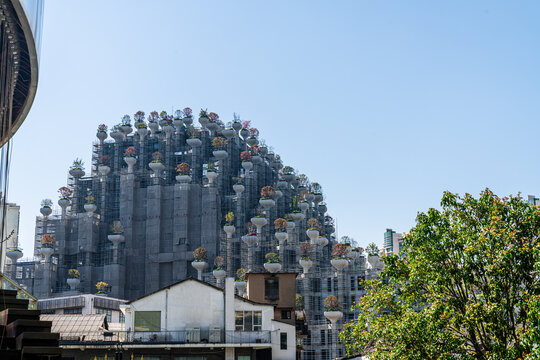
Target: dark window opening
283, 340
271, 288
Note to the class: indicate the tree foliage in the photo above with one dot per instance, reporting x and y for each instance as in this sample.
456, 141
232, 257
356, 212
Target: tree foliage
464, 286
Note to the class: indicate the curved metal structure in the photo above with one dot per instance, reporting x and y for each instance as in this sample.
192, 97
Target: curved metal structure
20, 34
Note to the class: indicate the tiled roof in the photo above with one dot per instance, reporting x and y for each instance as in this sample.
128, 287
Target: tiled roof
78, 327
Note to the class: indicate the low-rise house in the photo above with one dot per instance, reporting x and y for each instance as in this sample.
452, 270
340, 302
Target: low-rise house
194, 320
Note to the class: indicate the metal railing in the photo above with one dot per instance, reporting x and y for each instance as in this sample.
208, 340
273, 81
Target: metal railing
9, 284
202, 336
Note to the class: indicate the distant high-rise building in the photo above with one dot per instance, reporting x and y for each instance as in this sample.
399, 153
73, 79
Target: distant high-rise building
533, 200
393, 242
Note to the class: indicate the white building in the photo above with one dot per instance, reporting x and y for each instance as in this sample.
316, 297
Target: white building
192, 319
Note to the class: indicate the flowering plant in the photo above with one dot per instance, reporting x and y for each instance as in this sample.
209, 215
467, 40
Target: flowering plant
65, 192
246, 124
89, 199
47, 239
219, 261
183, 168
245, 156
177, 114
199, 254
305, 250
74, 274
213, 116
140, 124
102, 128
254, 150
102, 287
187, 112
117, 227
203, 113
130, 151
331, 303
156, 156
46, 203
229, 218
267, 192
240, 274
280, 224
211, 167
339, 251
78, 164
251, 234
153, 117
219, 142
313, 223
163, 115
271, 258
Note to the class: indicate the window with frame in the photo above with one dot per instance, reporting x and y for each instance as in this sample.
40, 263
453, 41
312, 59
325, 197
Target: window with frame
122, 318
248, 320
283, 341
323, 337
285, 314
73, 311
329, 284
106, 312
147, 320
353, 283
271, 288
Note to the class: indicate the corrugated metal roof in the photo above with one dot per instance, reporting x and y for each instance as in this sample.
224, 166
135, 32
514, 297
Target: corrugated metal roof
84, 327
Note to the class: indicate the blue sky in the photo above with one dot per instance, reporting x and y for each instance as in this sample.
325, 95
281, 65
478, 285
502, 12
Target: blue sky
386, 104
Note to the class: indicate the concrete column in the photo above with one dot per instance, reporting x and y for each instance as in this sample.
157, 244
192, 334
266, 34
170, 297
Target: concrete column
153, 236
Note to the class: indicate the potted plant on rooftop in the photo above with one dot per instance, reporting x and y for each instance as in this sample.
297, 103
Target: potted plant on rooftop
188, 116
255, 157
305, 256
140, 124
339, 256
65, 194
203, 117
156, 164
193, 140
183, 170
244, 132
219, 272
125, 126
267, 193
89, 204
288, 174
177, 121
332, 309
129, 158
211, 172
238, 186
102, 288
250, 238
280, 225
101, 132
212, 121
236, 124
229, 224
313, 229
103, 168
199, 262
290, 221
47, 245
245, 156
73, 278
117, 231
77, 168
153, 124
219, 144
272, 262
116, 133
240, 283
14, 254
46, 207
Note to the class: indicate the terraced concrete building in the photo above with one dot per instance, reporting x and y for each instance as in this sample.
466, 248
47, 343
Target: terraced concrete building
163, 188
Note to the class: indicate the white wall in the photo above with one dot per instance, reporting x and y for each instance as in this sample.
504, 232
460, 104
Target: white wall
278, 354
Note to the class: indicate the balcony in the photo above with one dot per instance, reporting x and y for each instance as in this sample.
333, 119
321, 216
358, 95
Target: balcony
179, 337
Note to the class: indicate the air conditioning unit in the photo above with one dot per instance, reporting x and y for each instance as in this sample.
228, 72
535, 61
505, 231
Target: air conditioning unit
214, 334
193, 334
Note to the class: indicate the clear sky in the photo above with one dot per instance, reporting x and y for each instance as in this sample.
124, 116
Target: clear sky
385, 103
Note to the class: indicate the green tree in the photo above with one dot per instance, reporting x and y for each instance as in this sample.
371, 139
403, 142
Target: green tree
464, 286
372, 249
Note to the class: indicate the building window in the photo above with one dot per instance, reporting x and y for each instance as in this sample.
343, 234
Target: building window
329, 284
248, 320
147, 320
324, 354
271, 288
73, 311
122, 318
244, 357
283, 341
286, 314
323, 337
106, 312
353, 285
316, 285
